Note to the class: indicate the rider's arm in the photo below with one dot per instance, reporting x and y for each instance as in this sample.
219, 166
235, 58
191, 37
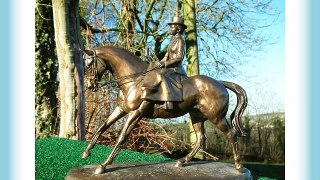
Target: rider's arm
164, 59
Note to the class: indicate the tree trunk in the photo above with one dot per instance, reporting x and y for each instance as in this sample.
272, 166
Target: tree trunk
259, 140
189, 7
191, 38
127, 23
71, 74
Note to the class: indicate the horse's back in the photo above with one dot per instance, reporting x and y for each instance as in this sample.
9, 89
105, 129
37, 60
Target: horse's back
209, 95
204, 85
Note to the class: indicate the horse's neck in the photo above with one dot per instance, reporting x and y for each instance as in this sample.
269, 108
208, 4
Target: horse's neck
127, 75
124, 64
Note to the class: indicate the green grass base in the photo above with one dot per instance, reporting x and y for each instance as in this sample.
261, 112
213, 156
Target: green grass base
262, 171
56, 156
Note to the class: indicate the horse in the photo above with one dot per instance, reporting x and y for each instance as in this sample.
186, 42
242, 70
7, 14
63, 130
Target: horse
204, 98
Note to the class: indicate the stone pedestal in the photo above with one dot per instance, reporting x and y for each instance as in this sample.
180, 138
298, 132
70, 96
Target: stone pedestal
161, 171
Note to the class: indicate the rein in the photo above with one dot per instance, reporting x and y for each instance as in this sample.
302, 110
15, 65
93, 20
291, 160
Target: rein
116, 80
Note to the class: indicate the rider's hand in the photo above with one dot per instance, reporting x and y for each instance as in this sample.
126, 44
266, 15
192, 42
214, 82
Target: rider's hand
161, 64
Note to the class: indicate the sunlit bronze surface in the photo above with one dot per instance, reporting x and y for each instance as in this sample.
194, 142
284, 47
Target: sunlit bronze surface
204, 98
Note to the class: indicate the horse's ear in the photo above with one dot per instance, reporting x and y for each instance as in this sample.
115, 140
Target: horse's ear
88, 52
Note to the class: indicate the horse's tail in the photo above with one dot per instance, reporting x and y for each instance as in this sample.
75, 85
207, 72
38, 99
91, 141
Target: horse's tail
242, 102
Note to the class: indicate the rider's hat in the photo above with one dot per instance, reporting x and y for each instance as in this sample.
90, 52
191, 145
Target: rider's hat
178, 20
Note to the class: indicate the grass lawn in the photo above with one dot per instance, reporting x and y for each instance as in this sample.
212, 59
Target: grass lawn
56, 156
260, 170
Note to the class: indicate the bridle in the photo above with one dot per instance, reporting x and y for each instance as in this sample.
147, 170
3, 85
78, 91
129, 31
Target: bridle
93, 67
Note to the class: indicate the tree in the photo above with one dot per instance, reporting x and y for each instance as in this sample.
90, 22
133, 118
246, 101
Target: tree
71, 87
139, 24
189, 7
46, 72
191, 38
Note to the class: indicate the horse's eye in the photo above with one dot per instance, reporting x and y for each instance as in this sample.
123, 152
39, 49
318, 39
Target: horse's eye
88, 62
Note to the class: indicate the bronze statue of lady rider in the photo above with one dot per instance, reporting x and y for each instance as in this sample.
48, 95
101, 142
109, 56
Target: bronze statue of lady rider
164, 84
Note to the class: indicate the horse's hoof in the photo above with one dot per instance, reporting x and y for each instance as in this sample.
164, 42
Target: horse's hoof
99, 170
85, 154
239, 168
178, 164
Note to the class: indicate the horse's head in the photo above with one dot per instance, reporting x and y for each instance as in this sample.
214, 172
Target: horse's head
88, 56
120, 62
95, 67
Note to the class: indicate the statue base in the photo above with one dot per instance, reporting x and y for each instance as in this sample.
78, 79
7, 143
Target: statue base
161, 171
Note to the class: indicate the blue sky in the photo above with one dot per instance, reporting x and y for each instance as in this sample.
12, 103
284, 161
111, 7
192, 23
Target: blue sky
264, 76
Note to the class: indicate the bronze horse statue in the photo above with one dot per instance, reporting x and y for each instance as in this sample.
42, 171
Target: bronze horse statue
204, 98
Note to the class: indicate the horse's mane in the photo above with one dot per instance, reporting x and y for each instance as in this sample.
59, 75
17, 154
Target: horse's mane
136, 64
122, 50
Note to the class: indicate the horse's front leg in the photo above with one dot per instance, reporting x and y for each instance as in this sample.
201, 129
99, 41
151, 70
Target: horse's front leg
133, 118
115, 115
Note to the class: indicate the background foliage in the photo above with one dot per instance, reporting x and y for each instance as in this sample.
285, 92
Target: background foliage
46, 70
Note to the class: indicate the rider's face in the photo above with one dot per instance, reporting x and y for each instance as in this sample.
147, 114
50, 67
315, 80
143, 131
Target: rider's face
173, 29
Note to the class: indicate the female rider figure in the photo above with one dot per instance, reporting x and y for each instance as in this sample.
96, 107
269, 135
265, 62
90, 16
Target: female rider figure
164, 84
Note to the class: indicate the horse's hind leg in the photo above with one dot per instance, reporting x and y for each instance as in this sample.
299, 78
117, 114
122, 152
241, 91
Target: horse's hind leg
115, 115
223, 126
198, 126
